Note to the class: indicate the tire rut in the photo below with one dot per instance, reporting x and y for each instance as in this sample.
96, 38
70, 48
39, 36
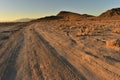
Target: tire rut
16, 45
75, 74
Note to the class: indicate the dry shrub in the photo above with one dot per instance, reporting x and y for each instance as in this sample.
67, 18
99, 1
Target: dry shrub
85, 31
116, 30
113, 44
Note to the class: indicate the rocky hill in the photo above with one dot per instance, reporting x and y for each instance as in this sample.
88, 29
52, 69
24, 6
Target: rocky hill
115, 12
73, 16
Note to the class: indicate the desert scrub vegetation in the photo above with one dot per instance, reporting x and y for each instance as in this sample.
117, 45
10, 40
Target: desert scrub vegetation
116, 30
113, 44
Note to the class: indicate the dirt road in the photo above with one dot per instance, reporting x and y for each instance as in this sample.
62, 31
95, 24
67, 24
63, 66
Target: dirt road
54, 51
26, 55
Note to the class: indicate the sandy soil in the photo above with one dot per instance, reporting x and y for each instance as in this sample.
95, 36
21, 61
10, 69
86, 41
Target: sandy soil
60, 50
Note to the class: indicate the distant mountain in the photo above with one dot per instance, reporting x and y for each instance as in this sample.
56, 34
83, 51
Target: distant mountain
87, 15
64, 13
24, 20
73, 16
67, 15
115, 12
50, 18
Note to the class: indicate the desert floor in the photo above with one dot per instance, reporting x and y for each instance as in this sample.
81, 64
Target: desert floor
60, 50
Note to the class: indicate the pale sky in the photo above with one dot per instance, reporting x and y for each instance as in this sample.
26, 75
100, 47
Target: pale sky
17, 9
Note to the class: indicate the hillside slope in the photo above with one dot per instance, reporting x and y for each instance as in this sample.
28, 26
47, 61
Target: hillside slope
112, 13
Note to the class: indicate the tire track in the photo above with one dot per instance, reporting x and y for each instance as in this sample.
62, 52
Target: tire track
10, 71
76, 75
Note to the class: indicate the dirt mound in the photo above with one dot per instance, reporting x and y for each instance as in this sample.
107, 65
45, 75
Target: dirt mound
114, 44
115, 12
